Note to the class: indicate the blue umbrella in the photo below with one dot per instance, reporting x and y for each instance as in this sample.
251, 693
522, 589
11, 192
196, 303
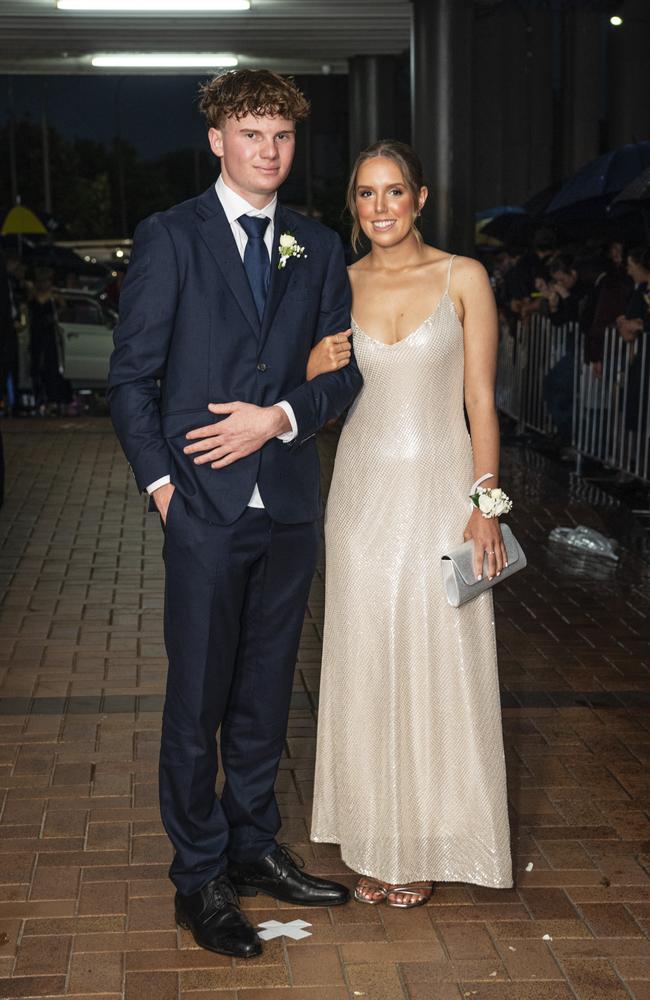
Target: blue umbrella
492, 213
637, 191
595, 184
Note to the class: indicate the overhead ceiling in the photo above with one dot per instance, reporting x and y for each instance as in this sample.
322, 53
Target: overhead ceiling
297, 36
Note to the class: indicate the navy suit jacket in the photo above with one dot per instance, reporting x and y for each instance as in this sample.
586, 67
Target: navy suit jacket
189, 334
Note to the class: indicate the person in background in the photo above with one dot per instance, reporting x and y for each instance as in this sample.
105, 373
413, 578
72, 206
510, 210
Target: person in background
114, 287
6, 333
631, 323
531, 267
16, 292
565, 296
564, 292
633, 326
72, 280
45, 372
613, 288
506, 284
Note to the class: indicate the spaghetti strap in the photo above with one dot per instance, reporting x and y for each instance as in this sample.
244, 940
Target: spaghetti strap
451, 261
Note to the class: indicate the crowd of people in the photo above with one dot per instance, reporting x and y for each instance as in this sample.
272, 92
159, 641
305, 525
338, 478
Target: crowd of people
598, 288
601, 287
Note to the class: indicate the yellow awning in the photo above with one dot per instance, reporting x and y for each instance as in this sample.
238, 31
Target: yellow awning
21, 220
481, 239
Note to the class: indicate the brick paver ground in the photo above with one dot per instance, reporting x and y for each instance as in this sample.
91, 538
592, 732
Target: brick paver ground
85, 905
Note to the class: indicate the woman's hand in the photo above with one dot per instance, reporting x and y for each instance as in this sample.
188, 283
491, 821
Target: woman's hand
329, 354
486, 533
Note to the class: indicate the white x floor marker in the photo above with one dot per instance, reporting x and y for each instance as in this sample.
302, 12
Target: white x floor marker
292, 929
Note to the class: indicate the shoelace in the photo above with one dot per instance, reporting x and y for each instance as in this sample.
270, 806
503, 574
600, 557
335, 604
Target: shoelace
290, 856
223, 891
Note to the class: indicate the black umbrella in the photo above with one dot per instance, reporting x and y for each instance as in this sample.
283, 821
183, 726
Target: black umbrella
539, 202
637, 190
509, 227
592, 188
636, 197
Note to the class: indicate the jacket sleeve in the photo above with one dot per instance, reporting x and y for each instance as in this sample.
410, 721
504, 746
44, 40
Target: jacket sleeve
327, 395
148, 305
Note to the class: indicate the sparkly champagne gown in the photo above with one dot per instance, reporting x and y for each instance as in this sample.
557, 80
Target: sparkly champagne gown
410, 776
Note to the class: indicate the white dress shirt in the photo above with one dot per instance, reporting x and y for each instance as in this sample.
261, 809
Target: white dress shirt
234, 206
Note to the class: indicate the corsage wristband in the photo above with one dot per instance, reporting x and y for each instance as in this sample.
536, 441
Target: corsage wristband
491, 503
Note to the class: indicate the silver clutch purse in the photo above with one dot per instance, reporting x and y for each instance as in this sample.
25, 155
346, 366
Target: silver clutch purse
458, 577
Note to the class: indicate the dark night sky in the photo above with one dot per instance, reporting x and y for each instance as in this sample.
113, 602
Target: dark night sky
157, 113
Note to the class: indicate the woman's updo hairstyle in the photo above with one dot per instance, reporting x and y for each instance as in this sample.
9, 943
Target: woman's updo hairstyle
410, 167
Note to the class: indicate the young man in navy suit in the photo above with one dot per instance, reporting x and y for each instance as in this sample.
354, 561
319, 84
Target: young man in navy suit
210, 401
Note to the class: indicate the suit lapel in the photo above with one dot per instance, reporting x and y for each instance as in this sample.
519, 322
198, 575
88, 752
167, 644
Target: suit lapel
279, 276
216, 232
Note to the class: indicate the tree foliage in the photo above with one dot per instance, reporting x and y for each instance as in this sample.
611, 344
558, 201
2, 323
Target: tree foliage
86, 185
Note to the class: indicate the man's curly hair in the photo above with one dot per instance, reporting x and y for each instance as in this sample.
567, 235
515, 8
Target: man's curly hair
258, 92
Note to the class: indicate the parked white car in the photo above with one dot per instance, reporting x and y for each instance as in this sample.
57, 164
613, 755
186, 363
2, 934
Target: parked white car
86, 340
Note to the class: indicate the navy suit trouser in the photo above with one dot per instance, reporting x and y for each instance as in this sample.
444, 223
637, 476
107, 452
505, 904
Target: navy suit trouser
235, 598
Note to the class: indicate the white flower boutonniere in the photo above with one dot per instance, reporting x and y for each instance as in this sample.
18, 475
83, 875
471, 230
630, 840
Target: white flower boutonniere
289, 247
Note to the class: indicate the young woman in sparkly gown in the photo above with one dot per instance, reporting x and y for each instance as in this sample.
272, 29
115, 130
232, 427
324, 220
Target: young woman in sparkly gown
410, 776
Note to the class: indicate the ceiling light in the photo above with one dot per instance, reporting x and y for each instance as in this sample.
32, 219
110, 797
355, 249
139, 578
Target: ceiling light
153, 6
165, 60
616, 21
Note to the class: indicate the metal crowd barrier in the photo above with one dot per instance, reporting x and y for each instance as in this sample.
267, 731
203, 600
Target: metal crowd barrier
545, 385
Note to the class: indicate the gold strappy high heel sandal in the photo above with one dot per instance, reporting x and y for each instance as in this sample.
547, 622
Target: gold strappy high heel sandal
420, 891
370, 885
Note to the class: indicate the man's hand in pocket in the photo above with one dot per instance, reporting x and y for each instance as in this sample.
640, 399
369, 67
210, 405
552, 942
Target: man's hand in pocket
162, 497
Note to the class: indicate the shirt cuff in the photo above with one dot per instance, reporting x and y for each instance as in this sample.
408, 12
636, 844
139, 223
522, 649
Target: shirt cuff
288, 436
163, 481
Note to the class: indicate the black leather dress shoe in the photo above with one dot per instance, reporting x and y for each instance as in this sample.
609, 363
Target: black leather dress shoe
279, 875
213, 916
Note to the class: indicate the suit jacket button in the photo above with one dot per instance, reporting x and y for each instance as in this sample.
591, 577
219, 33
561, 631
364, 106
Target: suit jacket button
262, 366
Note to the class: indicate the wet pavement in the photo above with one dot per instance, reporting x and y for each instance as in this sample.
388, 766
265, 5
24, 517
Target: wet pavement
85, 904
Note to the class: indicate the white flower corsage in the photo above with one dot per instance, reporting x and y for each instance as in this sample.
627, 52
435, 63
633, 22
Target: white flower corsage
289, 247
491, 503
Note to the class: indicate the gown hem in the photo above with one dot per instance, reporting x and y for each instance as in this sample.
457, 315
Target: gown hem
458, 877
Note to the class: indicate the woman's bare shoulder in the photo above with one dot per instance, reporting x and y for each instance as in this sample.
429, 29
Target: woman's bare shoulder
359, 265
469, 267
469, 276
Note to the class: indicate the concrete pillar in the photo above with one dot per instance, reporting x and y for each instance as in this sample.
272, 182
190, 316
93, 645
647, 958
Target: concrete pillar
490, 120
372, 88
539, 166
580, 106
628, 77
442, 120
513, 103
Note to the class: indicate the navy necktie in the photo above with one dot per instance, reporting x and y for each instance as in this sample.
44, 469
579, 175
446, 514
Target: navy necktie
256, 258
